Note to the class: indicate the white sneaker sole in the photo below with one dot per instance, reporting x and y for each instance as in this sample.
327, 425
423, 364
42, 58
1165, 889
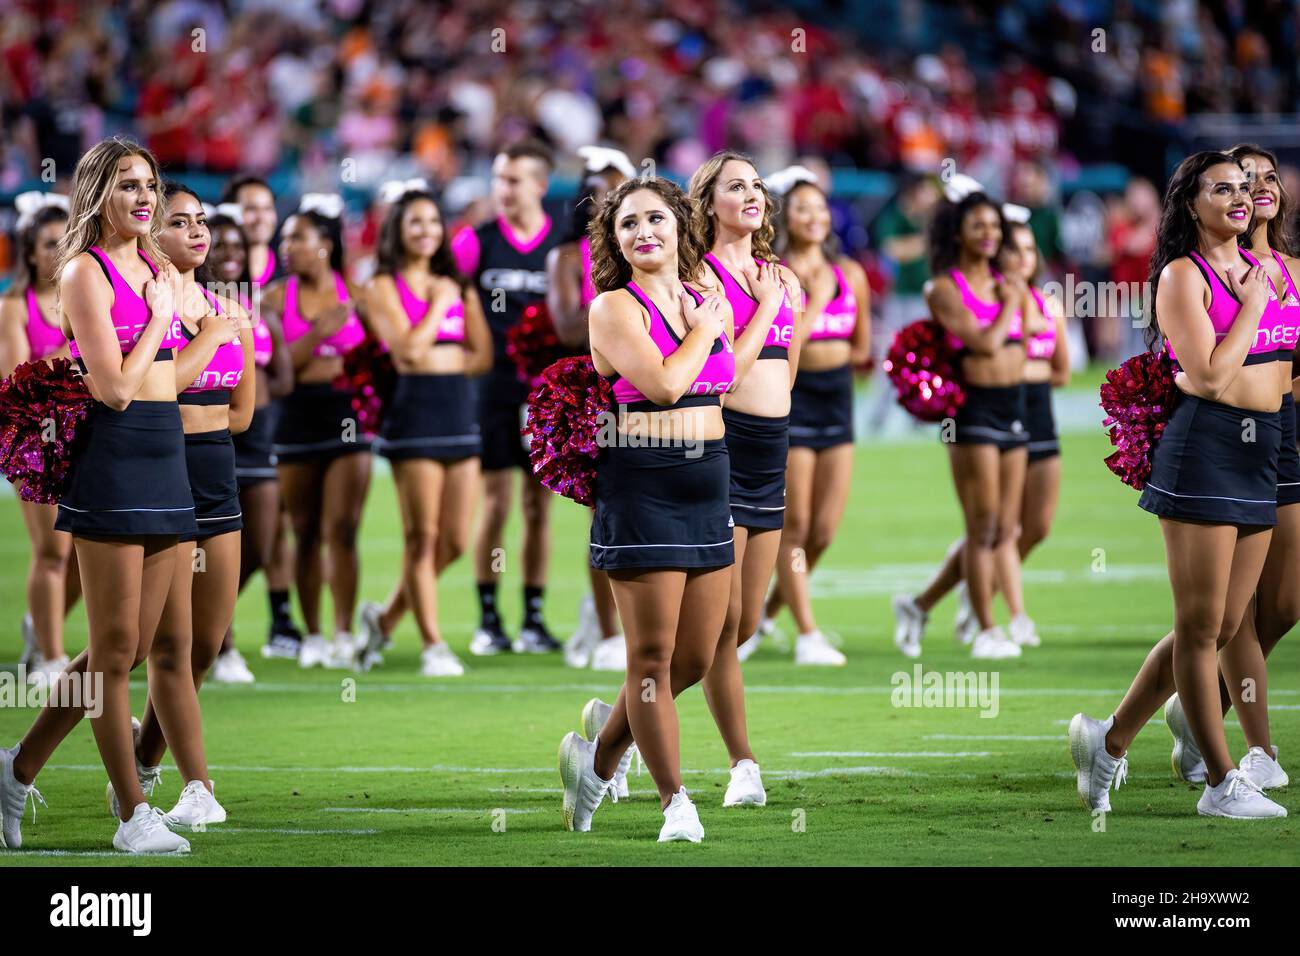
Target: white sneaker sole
1176, 722
1083, 755
1232, 816
681, 836
570, 766
746, 800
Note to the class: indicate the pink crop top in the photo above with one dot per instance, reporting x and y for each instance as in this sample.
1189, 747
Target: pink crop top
743, 306
130, 313
222, 373
985, 312
263, 345
1042, 345
840, 315
588, 287
351, 334
715, 378
43, 339
1274, 341
451, 330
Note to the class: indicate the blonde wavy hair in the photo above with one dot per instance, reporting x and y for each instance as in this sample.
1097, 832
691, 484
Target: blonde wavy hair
92, 183
701, 189
609, 270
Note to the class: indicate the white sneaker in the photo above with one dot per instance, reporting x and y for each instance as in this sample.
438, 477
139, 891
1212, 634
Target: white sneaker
231, 668
439, 660
1264, 771
197, 807
578, 648
43, 673
1187, 761
583, 790
374, 640
994, 645
342, 654
681, 822
1023, 631
146, 832
766, 628
909, 625
610, 654
314, 652
31, 654
1237, 797
148, 776
815, 649
965, 625
13, 801
594, 715
1096, 769
746, 787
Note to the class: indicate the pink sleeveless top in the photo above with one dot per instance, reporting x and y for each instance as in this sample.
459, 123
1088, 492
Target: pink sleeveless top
588, 288
269, 272
222, 373
840, 315
1289, 309
1270, 336
43, 339
263, 344
451, 330
985, 312
743, 306
1042, 345
130, 313
349, 335
715, 378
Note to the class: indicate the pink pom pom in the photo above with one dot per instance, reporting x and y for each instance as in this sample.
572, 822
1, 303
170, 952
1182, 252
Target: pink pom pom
564, 426
925, 372
1138, 398
41, 406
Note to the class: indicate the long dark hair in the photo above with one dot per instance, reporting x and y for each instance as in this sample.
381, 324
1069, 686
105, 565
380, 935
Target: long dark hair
26, 277
1178, 233
390, 253
331, 229
945, 230
831, 244
206, 273
1279, 227
609, 270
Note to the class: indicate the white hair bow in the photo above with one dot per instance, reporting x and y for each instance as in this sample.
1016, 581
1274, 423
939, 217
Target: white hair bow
600, 158
209, 210
231, 210
329, 205
959, 186
393, 190
1013, 213
30, 203
784, 180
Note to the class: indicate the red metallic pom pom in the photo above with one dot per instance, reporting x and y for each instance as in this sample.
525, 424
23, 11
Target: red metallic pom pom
925, 371
41, 406
368, 373
1138, 398
564, 421
533, 345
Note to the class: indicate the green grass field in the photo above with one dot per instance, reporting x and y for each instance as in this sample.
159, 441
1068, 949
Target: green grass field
416, 771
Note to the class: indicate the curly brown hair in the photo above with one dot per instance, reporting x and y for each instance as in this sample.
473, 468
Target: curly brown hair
701, 189
609, 270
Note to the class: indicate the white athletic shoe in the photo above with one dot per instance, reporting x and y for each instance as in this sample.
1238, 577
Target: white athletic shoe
815, 649
993, 645
314, 652
594, 715
1264, 771
1187, 761
231, 668
43, 673
965, 625
342, 654
486, 643
146, 832
373, 639
746, 786
148, 776
439, 660
746, 648
610, 654
1023, 631
31, 654
13, 801
1237, 797
583, 790
909, 625
197, 807
681, 822
578, 648
1096, 769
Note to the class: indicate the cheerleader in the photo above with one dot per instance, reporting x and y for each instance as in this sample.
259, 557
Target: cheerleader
569, 291
433, 326
255, 203
226, 271
128, 496
987, 316
1213, 484
322, 456
26, 334
662, 527
219, 400
819, 469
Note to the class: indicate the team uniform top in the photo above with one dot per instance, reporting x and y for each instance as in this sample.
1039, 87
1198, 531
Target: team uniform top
1275, 338
840, 316
588, 287
43, 339
270, 273
130, 313
743, 306
1042, 345
222, 373
344, 340
985, 312
451, 328
262, 344
715, 378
